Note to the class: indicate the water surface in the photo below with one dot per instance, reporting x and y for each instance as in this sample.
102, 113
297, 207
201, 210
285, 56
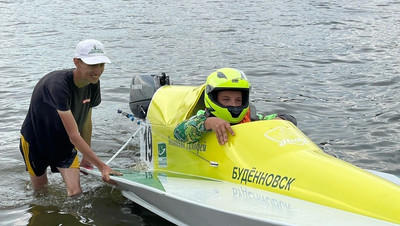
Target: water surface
334, 65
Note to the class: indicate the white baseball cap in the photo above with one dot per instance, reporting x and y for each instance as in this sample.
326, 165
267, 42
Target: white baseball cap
91, 52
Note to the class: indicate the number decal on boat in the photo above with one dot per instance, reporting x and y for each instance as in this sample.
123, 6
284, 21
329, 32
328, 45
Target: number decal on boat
148, 144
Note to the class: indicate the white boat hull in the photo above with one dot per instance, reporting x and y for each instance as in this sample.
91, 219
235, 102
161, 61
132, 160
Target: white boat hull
198, 201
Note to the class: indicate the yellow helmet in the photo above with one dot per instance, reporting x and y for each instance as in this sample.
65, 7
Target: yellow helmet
227, 79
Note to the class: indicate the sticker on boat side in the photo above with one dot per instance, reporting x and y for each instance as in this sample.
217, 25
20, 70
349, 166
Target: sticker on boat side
162, 155
197, 147
285, 136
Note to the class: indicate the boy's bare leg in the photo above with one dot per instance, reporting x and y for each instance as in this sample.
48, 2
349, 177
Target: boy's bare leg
72, 180
39, 183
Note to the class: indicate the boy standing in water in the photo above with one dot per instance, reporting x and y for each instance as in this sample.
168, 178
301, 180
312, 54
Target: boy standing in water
59, 124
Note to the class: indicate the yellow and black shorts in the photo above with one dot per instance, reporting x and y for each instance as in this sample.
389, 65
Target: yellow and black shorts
37, 163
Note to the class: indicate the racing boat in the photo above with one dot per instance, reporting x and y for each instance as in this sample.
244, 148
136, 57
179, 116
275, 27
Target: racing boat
268, 173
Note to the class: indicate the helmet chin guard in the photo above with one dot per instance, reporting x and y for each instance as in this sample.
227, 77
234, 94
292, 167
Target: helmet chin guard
235, 111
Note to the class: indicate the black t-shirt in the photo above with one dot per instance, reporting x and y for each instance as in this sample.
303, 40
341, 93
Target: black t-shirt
43, 128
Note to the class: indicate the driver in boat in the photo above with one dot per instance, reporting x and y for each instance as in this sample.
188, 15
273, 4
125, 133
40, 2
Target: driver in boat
226, 99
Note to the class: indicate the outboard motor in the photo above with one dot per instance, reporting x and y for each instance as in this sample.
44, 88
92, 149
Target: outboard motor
143, 88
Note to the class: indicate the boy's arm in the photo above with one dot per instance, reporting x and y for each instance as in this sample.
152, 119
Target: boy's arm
255, 116
76, 139
191, 130
286, 117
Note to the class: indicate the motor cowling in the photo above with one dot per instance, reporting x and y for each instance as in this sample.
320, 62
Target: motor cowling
142, 90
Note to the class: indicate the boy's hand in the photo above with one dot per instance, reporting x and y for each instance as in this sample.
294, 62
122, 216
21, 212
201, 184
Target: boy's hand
106, 171
220, 127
